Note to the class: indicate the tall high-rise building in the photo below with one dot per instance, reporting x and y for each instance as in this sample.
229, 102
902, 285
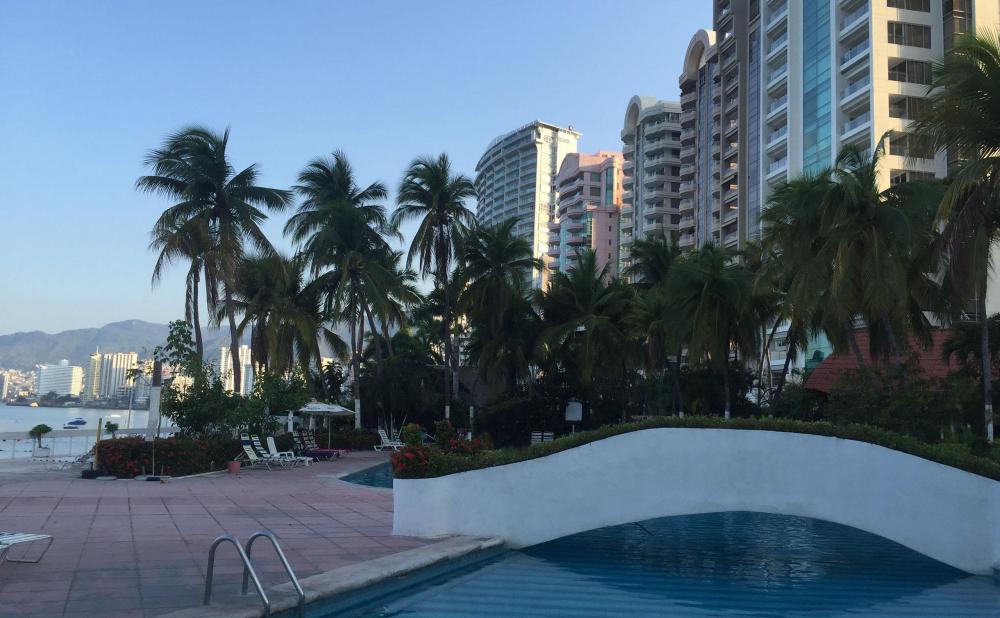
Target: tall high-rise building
61, 379
114, 374
588, 206
779, 87
651, 201
4, 386
226, 369
516, 179
92, 377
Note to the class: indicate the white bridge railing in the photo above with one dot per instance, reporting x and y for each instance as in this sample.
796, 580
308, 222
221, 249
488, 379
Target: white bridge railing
63, 442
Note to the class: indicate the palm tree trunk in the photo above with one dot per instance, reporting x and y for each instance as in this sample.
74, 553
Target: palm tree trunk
725, 383
854, 345
199, 343
388, 339
677, 384
784, 369
357, 341
446, 325
764, 351
375, 342
985, 356
234, 342
894, 350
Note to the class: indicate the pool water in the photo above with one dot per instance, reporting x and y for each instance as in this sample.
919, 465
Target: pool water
376, 476
738, 563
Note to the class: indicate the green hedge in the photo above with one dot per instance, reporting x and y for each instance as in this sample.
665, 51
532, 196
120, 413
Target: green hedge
950, 454
127, 457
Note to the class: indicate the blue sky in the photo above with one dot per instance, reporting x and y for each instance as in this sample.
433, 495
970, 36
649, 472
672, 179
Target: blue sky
86, 88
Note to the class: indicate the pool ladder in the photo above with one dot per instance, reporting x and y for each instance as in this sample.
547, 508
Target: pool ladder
248, 570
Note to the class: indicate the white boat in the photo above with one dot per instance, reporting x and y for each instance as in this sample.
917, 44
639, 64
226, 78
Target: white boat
76, 423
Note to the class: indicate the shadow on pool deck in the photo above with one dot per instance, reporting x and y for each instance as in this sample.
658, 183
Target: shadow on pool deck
131, 548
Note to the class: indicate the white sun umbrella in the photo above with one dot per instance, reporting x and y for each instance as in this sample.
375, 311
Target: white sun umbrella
318, 408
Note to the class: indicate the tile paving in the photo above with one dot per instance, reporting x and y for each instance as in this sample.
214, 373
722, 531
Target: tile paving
132, 548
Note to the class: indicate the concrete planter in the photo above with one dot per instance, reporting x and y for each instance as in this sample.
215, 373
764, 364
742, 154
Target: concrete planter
942, 512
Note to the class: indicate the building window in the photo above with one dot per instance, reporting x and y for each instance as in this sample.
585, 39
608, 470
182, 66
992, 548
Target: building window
897, 177
907, 145
595, 192
923, 6
912, 35
595, 177
910, 71
907, 108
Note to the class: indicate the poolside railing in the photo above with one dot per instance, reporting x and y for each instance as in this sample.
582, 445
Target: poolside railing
64, 442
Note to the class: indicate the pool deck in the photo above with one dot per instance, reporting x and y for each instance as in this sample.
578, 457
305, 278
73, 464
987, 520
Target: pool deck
131, 548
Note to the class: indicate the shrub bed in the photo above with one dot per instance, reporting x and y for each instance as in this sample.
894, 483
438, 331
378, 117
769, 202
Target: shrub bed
127, 457
431, 462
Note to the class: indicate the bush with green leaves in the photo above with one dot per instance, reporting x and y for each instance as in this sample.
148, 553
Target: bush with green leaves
434, 463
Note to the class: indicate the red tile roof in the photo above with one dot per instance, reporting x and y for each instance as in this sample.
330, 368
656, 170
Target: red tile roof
929, 360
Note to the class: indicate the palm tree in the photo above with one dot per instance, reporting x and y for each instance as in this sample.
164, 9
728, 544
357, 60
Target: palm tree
712, 290
583, 320
652, 259
431, 193
187, 241
192, 166
651, 264
494, 265
962, 116
871, 239
341, 227
284, 311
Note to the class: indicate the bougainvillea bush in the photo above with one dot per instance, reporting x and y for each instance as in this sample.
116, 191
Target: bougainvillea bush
128, 457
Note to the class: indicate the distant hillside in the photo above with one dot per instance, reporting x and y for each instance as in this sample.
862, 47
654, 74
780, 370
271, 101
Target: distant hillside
25, 350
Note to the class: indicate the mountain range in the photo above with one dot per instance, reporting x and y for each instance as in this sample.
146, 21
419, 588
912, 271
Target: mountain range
26, 349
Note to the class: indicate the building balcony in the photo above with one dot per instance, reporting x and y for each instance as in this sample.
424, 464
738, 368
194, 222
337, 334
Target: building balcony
627, 195
730, 195
689, 97
777, 167
687, 187
855, 125
777, 106
854, 88
777, 46
687, 203
656, 145
778, 136
852, 22
628, 166
687, 154
855, 56
729, 170
686, 221
687, 116
686, 241
778, 16
687, 170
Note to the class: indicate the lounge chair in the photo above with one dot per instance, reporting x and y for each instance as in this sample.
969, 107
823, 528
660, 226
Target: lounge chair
253, 460
388, 442
307, 442
263, 453
541, 436
10, 539
288, 455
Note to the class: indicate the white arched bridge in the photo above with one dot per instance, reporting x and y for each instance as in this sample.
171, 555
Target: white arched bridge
945, 513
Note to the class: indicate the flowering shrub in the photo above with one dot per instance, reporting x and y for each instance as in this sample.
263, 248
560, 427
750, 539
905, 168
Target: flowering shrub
412, 434
414, 461
128, 457
467, 447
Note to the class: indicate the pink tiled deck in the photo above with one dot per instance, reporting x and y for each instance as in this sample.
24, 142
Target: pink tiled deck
131, 548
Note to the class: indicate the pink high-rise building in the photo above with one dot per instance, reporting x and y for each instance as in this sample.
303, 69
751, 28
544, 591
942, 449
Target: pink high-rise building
590, 198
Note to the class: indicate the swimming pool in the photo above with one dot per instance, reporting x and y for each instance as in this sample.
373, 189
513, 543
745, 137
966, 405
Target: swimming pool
750, 564
376, 476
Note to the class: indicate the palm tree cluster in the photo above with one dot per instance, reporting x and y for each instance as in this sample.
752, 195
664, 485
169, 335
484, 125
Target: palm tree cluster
839, 253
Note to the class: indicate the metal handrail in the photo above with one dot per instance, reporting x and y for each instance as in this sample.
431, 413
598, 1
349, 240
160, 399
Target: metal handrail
284, 562
247, 568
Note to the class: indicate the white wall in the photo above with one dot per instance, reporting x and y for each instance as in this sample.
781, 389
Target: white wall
945, 513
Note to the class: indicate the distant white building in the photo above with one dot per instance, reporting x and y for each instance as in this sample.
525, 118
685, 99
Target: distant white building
114, 379
516, 179
226, 369
4, 386
61, 379
92, 377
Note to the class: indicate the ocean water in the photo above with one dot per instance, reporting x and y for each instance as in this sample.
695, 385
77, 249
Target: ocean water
21, 419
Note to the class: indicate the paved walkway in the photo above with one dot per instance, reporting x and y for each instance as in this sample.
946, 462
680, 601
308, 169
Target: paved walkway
131, 548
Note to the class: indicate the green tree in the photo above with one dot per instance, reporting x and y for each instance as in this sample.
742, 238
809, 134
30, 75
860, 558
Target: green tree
711, 289
435, 196
962, 116
189, 240
193, 167
342, 228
